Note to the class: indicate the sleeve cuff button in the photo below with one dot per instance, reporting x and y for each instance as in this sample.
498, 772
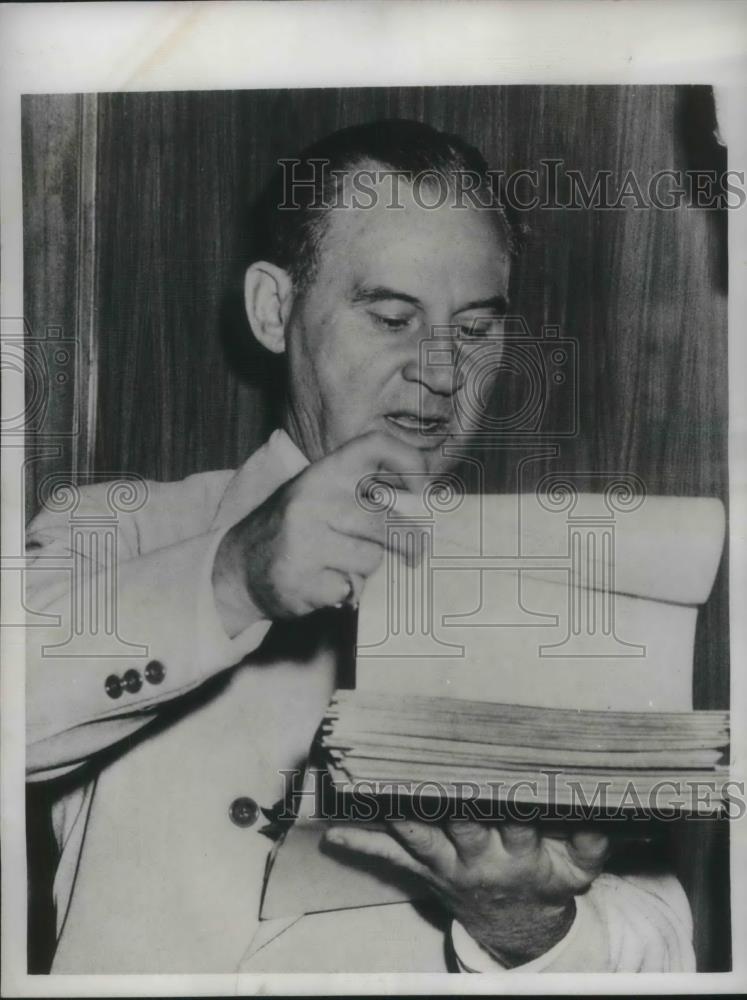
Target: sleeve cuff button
155, 672
132, 681
113, 686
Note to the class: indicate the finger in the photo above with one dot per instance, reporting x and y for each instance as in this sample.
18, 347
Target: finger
356, 521
518, 838
404, 539
381, 452
426, 842
407, 541
353, 555
588, 849
358, 582
470, 838
376, 845
354, 584
332, 589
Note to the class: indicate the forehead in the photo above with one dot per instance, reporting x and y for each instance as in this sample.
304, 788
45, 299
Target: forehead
427, 241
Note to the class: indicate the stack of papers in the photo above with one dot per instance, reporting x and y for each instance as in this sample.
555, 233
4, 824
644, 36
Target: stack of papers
429, 746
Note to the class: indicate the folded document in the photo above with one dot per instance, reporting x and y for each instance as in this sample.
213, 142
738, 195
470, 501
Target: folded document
535, 641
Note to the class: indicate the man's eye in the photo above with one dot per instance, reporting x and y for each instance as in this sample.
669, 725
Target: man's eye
477, 328
391, 322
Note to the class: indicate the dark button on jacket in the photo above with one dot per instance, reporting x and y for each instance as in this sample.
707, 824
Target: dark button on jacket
113, 686
132, 681
155, 672
243, 811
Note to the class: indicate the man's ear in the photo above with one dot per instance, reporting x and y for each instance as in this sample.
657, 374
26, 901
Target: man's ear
268, 297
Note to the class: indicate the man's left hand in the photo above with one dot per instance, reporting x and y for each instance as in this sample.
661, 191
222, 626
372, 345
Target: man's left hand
510, 888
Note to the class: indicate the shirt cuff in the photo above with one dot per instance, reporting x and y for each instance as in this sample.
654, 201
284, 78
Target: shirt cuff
472, 957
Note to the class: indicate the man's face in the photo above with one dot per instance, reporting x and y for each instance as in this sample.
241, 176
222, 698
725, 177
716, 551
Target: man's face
385, 279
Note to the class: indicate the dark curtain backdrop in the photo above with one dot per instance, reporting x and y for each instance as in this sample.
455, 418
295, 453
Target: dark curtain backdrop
168, 179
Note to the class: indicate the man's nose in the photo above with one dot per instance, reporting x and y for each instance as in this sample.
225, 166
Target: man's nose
435, 367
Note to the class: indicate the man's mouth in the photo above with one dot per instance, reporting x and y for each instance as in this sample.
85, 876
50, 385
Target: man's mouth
414, 423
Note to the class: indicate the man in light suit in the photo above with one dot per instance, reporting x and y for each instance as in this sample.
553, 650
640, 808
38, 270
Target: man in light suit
236, 586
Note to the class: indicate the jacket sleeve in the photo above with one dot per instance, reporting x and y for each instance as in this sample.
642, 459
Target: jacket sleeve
632, 923
121, 615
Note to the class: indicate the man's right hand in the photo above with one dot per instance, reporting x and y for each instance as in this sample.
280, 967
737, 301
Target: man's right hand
312, 539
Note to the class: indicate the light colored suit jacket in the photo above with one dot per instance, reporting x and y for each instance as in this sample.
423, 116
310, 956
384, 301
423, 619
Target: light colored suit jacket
154, 874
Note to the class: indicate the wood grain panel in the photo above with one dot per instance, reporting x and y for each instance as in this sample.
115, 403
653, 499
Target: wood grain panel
59, 174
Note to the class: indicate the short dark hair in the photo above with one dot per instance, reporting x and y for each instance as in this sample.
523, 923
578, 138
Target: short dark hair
291, 236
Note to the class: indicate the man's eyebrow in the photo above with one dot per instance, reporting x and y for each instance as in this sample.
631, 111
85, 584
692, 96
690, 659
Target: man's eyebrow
499, 303
379, 293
